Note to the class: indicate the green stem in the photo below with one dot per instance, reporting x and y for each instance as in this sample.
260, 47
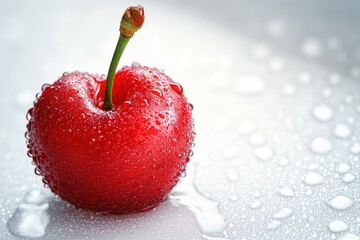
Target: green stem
120, 47
131, 21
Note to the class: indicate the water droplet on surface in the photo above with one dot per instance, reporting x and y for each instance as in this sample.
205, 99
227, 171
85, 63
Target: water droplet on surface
37, 196
321, 145
311, 47
30, 219
250, 84
338, 226
264, 153
273, 225
177, 87
342, 168
256, 204
348, 178
283, 213
323, 112
245, 127
206, 211
286, 192
313, 178
340, 202
342, 130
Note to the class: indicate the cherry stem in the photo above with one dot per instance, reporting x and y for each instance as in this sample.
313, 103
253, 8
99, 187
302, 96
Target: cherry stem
120, 47
131, 21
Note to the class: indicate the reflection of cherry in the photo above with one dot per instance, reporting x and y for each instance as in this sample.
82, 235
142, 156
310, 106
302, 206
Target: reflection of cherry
117, 145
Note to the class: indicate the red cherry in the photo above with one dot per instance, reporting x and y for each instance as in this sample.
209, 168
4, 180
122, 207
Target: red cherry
118, 160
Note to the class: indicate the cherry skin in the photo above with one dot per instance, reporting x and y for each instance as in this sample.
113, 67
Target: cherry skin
123, 160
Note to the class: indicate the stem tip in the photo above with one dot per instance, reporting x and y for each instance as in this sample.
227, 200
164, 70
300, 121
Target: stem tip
131, 21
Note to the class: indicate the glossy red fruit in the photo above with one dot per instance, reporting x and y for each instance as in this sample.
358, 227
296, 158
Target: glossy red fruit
118, 161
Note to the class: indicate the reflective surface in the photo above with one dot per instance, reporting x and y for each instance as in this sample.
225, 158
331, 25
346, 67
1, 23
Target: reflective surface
276, 100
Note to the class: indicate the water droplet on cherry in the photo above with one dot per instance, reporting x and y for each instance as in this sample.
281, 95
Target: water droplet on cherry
29, 114
191, 106
135, 65
177, 87
37, 171
156, 92
45, 86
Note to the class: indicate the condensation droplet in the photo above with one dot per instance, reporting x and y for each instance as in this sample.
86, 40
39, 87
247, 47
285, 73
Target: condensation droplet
286, 192
283, 213
342, 168
135, 65
37, 171
273, 225
177, 87
312, 166
323, 112
340, 202
156, 92
313, 178
342, 130
321, 145
338, 226
348, 178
